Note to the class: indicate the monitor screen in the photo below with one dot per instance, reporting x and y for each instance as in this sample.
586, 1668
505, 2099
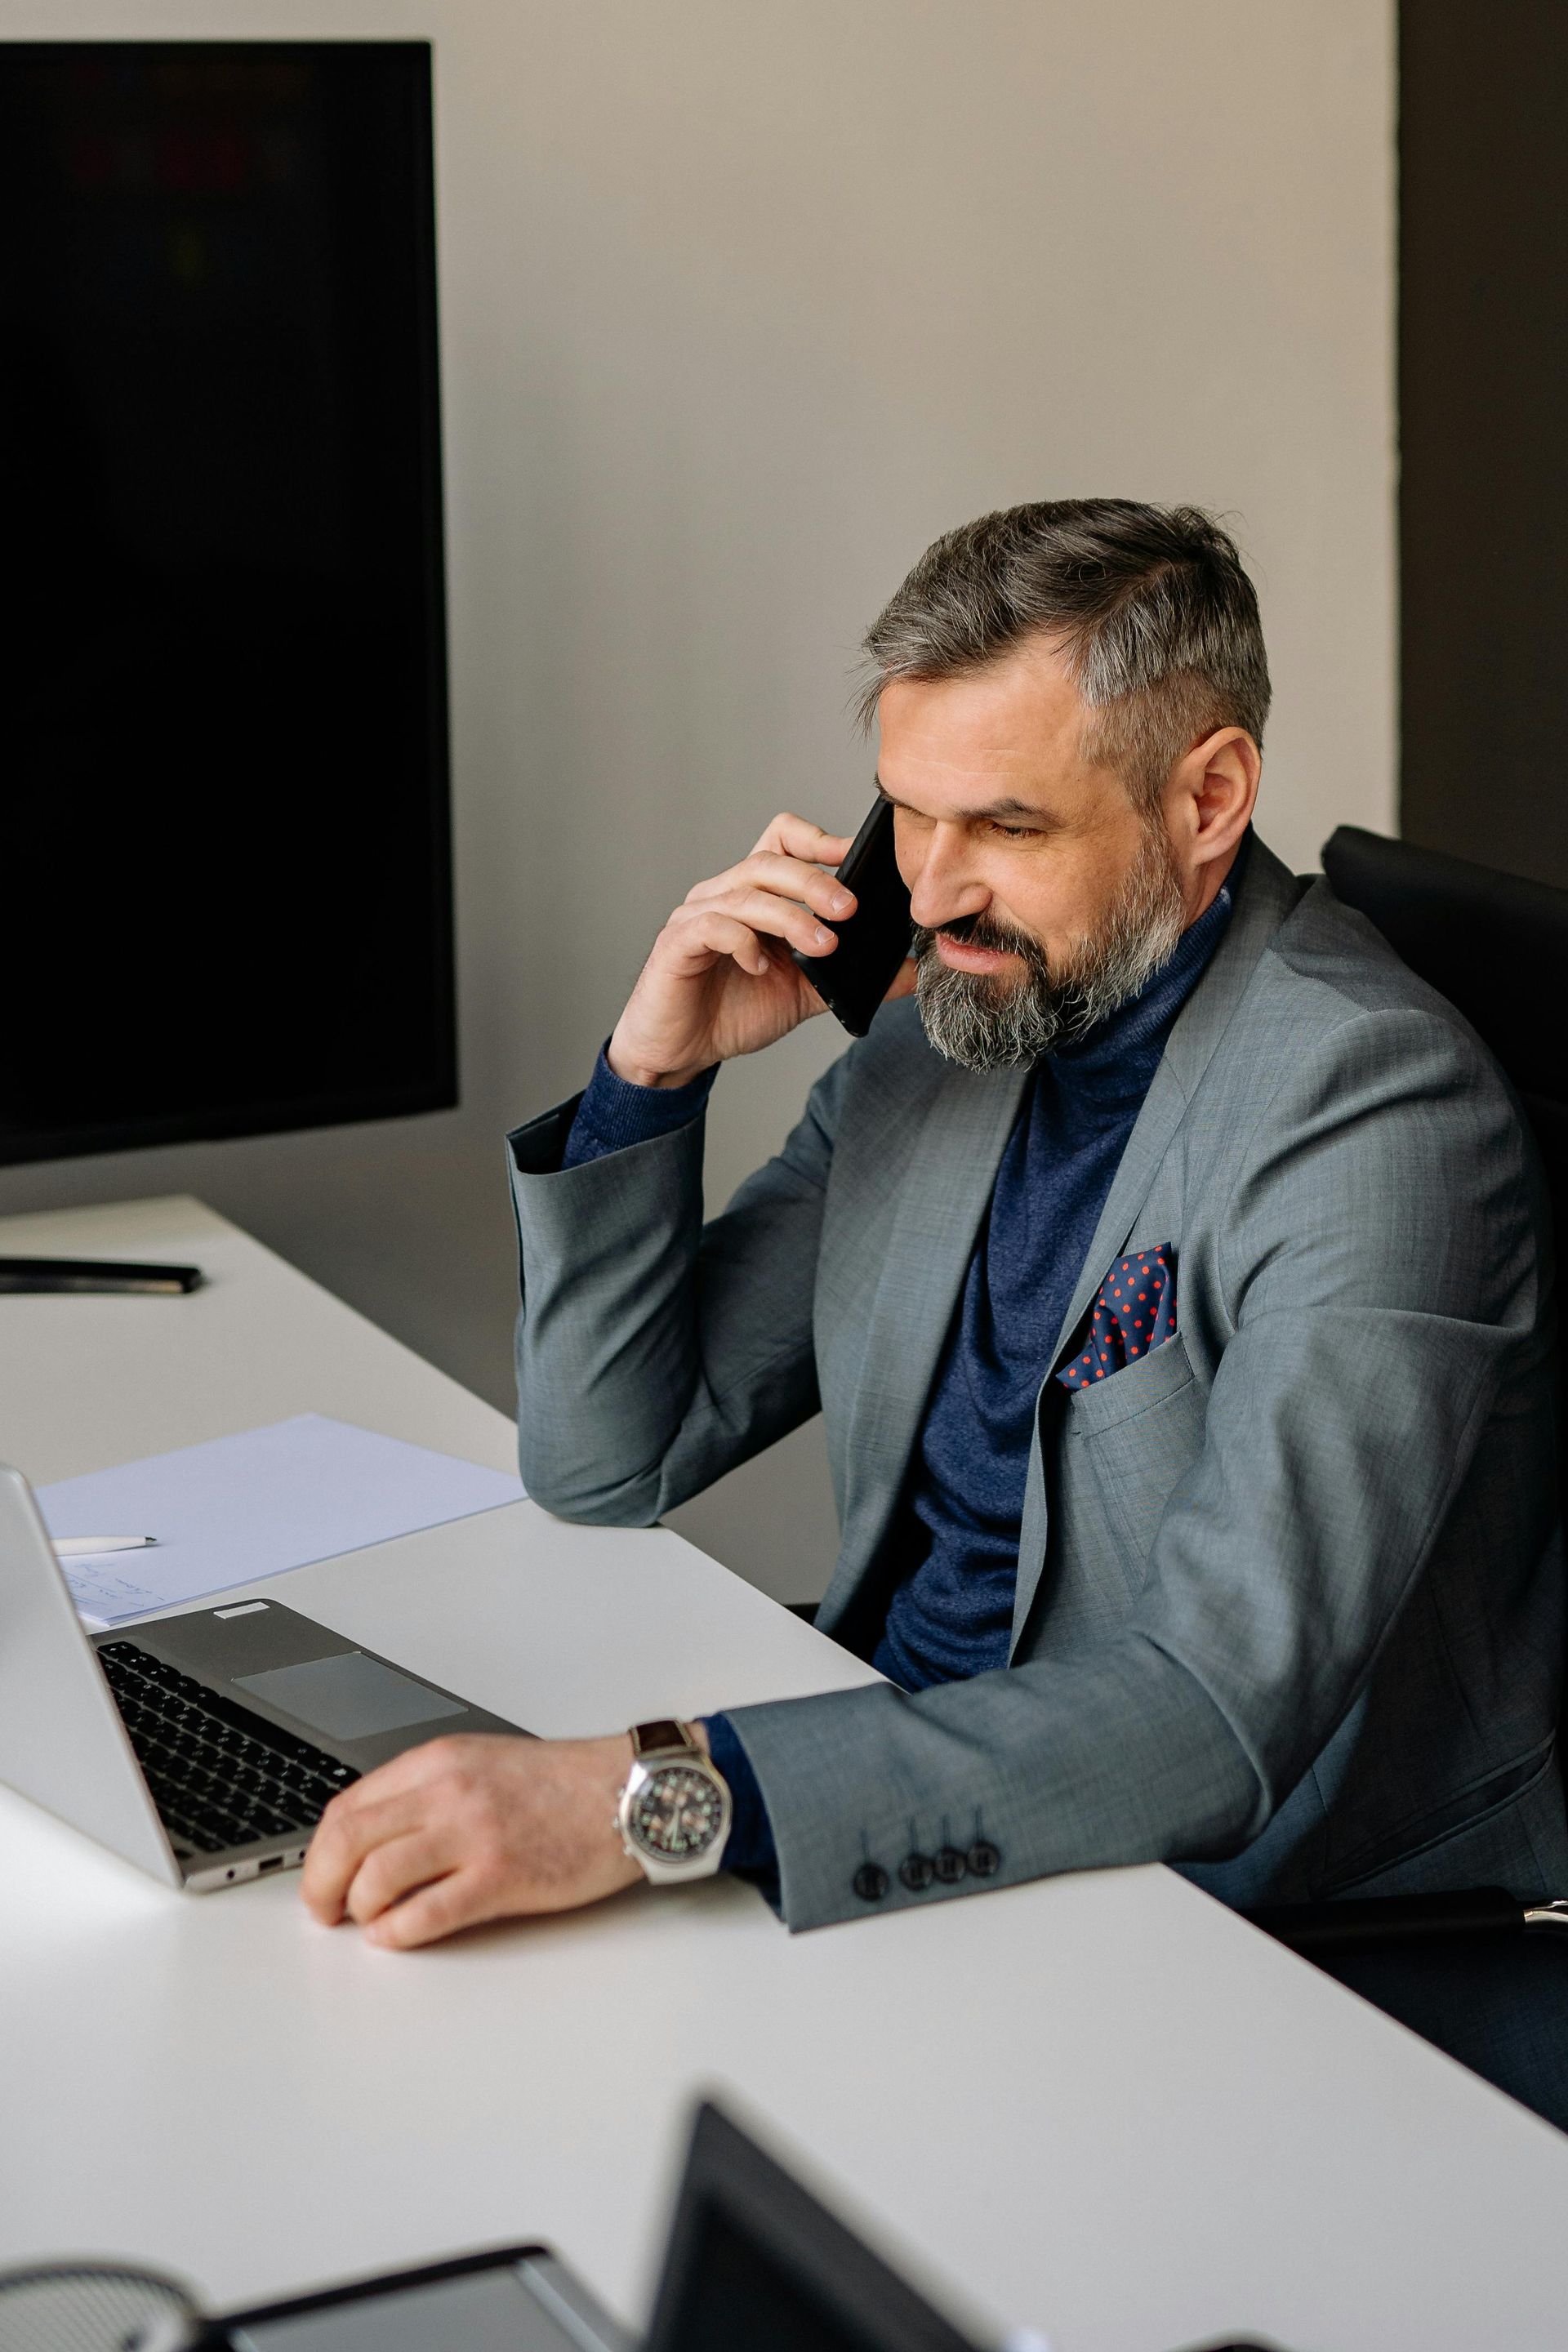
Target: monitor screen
224, 832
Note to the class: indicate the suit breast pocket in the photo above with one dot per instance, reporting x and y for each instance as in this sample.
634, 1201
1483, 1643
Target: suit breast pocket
1130, 1440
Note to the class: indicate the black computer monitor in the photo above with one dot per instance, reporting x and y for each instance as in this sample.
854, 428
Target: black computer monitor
225, 865
755, 2260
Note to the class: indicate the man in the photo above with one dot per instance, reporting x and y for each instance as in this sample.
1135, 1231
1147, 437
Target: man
1168, 1274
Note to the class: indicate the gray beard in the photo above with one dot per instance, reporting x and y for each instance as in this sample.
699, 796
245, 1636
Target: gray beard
985, 1023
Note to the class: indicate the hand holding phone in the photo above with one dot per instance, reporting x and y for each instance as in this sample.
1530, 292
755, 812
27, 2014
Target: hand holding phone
721, 980
854, 978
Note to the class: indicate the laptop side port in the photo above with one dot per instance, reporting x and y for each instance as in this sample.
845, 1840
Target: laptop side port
271, 1862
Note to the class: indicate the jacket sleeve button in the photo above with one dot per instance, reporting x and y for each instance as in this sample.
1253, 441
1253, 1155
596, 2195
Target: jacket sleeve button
984, 1859
916, 1871
951, 1864
871, 1881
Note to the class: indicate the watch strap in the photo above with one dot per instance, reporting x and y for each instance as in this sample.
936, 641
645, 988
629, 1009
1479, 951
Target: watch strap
659, 1739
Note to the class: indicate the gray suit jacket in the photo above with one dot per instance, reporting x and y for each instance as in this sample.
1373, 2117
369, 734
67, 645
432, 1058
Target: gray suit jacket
1289, 1595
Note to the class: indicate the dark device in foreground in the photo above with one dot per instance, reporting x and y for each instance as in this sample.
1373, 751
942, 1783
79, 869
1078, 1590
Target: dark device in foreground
94, 1275
755, 2260
507, 2299
875, 940
754, 2263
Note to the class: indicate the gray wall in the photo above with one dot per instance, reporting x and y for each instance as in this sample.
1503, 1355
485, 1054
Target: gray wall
743, 300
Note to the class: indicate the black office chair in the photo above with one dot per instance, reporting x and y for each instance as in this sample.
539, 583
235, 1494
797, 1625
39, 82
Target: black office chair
1497, 948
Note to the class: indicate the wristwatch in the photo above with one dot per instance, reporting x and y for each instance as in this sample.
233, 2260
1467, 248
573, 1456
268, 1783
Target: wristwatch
674, 1812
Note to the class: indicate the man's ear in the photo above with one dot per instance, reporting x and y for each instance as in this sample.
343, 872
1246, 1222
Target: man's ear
1212, 794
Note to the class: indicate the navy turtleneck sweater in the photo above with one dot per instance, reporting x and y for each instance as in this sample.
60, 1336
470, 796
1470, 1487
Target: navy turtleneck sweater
951, 1616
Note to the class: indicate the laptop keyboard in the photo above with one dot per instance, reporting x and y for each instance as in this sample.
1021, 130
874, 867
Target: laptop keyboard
220, 1776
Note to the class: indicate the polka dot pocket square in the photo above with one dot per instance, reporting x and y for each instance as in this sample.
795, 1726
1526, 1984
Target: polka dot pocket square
1134, 1314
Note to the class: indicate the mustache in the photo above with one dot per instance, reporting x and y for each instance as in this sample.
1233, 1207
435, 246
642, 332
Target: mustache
983, 931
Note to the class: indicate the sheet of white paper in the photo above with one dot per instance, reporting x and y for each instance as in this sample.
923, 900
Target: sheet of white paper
238, 1508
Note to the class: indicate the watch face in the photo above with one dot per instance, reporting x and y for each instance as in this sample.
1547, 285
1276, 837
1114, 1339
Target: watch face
675, 1813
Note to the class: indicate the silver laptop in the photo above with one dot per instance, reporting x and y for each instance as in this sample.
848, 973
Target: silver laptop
202, 1746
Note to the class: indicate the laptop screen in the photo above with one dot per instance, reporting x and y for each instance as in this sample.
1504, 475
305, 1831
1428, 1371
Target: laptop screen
755, 2260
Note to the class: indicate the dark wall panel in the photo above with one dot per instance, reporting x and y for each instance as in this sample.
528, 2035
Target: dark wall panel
1484, 430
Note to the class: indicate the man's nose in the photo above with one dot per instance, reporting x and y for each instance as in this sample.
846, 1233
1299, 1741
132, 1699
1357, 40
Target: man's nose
946, 886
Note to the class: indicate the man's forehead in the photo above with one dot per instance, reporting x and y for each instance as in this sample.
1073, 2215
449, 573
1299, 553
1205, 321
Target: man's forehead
1008, 734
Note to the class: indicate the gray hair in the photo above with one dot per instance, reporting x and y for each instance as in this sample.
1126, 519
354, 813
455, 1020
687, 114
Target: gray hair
1149, 606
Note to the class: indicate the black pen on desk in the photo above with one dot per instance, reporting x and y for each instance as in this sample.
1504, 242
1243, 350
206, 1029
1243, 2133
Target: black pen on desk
74, 1547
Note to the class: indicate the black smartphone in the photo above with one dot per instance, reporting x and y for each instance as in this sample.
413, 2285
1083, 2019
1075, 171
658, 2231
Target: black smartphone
874, 940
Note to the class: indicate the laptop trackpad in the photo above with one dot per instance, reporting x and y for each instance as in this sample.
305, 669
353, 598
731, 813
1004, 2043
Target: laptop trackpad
350, 1696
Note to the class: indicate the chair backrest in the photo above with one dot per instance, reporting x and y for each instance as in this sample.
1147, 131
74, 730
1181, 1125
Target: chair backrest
1496, 947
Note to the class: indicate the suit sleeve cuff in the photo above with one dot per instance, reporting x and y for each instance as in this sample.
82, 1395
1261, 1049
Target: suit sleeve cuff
611, 1113
749, 1849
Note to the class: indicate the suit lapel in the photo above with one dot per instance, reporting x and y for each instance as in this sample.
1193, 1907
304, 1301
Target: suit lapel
1267, 895
945, 1194
1164, 1108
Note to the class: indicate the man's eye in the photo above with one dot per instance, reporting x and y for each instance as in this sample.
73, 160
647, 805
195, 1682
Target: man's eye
1016, 832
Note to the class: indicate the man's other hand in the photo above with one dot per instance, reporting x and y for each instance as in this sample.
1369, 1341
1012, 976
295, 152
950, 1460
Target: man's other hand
467, 1828
721, 980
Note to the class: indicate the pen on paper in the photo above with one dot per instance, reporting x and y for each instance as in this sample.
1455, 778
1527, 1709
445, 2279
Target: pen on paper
78, 1547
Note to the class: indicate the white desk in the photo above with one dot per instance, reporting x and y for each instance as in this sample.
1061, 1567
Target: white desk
1100, 2104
